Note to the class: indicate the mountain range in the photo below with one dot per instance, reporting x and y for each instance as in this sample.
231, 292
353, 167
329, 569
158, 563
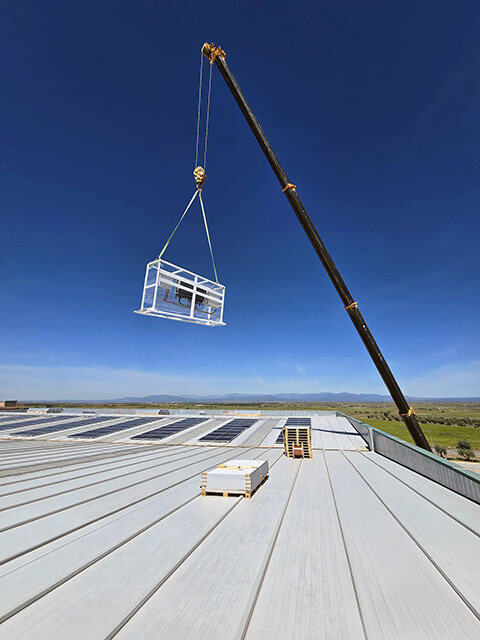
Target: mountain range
245, 398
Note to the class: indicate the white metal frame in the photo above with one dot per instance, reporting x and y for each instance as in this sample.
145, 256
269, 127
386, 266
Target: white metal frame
169, 276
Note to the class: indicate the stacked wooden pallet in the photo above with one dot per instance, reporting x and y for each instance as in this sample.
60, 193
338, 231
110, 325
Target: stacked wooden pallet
297, 442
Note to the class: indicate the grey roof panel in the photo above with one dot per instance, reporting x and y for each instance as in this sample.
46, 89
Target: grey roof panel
39, 528
103, 538
465, 511
258, 436
307, 584
392, 574
74, 473
431, 529
134, 535
213, 589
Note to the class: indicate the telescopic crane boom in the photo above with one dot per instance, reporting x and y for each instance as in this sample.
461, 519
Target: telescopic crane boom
217, 55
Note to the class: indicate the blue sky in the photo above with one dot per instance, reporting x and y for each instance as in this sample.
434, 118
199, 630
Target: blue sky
371, 107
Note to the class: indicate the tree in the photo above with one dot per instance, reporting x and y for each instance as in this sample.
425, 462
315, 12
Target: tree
441, 450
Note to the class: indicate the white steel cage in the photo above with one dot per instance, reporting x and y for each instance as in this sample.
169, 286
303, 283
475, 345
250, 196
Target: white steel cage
173, 292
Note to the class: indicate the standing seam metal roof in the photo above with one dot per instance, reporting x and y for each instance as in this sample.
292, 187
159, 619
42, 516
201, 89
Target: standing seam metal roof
103, 540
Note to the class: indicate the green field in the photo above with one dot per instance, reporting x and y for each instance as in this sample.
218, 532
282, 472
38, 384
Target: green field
448, 436
444, 424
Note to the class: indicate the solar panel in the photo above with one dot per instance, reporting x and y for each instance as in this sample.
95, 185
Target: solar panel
5, 427
21, 422
61, 427
293, 422
229, 431
169, 429
113, 428
298, 422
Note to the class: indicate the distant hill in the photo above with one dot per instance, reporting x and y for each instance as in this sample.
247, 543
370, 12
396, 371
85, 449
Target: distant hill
250, 397
245, 398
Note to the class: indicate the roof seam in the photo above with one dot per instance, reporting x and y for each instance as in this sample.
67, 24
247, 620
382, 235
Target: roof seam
185, 557
418, 544
476, 533
347, 555
269, 556
105, 515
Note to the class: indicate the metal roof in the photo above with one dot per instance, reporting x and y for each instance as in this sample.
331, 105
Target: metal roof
109, 537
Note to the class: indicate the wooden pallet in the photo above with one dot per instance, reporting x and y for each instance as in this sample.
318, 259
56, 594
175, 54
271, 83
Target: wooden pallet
248, 493
297, 442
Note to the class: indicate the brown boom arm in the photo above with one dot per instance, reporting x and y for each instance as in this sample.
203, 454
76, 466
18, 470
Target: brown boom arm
217, 55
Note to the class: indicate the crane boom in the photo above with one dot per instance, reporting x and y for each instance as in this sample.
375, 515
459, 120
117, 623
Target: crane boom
217, 55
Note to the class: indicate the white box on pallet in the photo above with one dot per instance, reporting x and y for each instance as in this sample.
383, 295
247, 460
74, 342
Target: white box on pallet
235, 476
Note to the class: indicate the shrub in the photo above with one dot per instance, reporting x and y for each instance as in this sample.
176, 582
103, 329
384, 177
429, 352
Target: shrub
464, 449
441, 450
468, 454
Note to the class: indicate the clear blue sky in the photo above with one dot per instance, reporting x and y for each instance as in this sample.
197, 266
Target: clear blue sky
371, 107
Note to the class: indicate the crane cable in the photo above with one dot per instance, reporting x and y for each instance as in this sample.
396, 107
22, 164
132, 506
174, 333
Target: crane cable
178, 224
199, 108
199, 171
199, 112
208, 235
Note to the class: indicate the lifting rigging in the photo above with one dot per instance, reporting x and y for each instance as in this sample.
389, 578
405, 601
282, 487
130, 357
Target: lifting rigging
173, 292
217, 56
170, 291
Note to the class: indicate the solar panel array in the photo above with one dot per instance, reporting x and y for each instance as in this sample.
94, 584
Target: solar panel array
9, 417
298, 422
113, 428
6, 427
169, 429
228, 431
69, 424
279, 440
43, 420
